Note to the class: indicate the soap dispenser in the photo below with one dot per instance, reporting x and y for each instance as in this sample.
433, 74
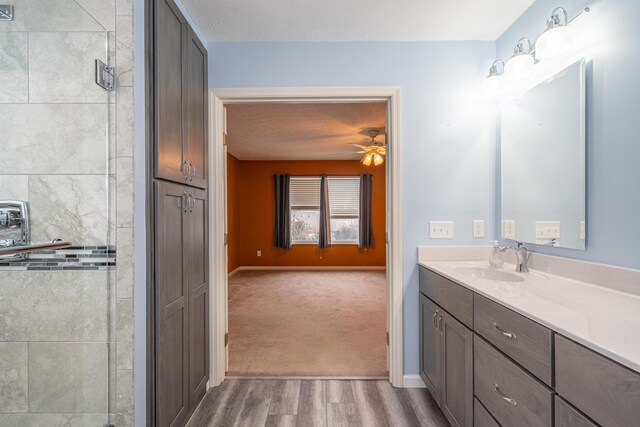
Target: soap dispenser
496, 260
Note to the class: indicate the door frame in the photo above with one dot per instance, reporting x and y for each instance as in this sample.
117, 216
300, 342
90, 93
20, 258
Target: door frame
218, 275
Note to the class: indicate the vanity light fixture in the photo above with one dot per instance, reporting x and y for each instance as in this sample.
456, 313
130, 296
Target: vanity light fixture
558, 37
521, 63
492, 81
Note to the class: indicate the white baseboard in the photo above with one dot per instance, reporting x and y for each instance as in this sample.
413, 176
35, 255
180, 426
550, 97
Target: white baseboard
310, 268
234, 271
412, 381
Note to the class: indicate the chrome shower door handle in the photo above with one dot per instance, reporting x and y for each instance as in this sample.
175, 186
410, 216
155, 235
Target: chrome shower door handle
7, 250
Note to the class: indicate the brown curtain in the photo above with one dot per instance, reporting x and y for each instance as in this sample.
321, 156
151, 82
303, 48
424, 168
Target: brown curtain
283, 212
324, 238
366, 226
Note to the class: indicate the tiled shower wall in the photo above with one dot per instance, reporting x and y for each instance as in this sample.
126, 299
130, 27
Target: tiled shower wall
66, 146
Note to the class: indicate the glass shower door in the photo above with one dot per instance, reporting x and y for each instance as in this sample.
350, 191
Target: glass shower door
57, 309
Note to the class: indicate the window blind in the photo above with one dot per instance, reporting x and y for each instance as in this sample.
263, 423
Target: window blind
304, 192
344, 197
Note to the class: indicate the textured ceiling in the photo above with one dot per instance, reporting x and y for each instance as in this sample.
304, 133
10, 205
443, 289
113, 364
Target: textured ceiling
354, 20
301, 131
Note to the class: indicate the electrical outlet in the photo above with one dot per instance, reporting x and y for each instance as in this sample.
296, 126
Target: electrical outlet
509, 229
259, 253
547, 232
583, 230
441, 229
478, 228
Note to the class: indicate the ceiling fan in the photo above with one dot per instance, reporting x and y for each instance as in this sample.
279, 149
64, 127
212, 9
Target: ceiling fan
374, 152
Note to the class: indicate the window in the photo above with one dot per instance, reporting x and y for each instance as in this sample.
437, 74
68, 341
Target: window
304, 197
344, 209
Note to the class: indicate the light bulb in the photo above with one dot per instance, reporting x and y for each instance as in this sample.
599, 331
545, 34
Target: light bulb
377, 159
491, 85
554, 42
519, 67
366, 160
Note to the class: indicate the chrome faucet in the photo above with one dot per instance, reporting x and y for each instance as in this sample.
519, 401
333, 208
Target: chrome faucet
522, 256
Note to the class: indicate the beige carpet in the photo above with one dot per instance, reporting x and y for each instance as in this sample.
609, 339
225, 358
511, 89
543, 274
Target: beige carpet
307, 323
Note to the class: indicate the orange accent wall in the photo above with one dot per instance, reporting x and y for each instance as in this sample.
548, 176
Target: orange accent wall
233, 165
251, 216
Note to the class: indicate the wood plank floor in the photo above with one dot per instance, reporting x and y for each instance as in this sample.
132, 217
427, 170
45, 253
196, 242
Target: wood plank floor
308, 403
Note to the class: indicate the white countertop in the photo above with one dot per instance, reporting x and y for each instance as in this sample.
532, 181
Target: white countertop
602, 319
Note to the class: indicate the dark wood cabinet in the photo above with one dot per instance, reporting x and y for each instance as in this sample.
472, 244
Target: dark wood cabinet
197, 254
430, 346
171, 305
457, 371
178, 319
196, 107
180, 98
182, 330
446, 362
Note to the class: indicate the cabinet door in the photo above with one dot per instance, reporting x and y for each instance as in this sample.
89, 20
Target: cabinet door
172, 306
196, 247
430, 342
457, 372
196, 110
170, 40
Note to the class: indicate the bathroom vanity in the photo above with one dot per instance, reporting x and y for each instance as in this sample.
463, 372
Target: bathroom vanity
527, 349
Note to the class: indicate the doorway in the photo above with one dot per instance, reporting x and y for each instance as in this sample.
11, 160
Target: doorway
219, 297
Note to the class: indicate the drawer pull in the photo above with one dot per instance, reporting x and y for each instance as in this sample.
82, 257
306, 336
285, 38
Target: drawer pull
505, 398
440, 325
503, 332
435, 322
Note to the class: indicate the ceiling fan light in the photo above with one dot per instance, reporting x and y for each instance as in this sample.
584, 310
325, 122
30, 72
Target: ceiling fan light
377, 160
366, 160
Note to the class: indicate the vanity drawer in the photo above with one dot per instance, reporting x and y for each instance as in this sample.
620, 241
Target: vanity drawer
568, 416
455, 299
605, 391
512, 396
522, 339
482, 417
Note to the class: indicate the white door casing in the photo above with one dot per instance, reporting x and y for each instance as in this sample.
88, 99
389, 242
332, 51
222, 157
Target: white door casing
217, 199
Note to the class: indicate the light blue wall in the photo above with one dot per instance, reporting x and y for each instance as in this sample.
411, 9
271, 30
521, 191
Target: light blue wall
613, 123
448, 132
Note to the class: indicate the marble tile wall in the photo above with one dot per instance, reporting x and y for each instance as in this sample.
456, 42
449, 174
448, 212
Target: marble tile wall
66, 337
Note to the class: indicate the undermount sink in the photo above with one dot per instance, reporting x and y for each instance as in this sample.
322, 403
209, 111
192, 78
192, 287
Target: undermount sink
489, 273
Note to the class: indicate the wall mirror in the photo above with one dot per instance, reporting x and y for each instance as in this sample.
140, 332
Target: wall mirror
543, 162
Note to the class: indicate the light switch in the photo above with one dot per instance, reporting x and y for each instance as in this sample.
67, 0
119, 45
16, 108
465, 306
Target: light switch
441, 229
509, 229
259, 253
547, 231
478, 228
